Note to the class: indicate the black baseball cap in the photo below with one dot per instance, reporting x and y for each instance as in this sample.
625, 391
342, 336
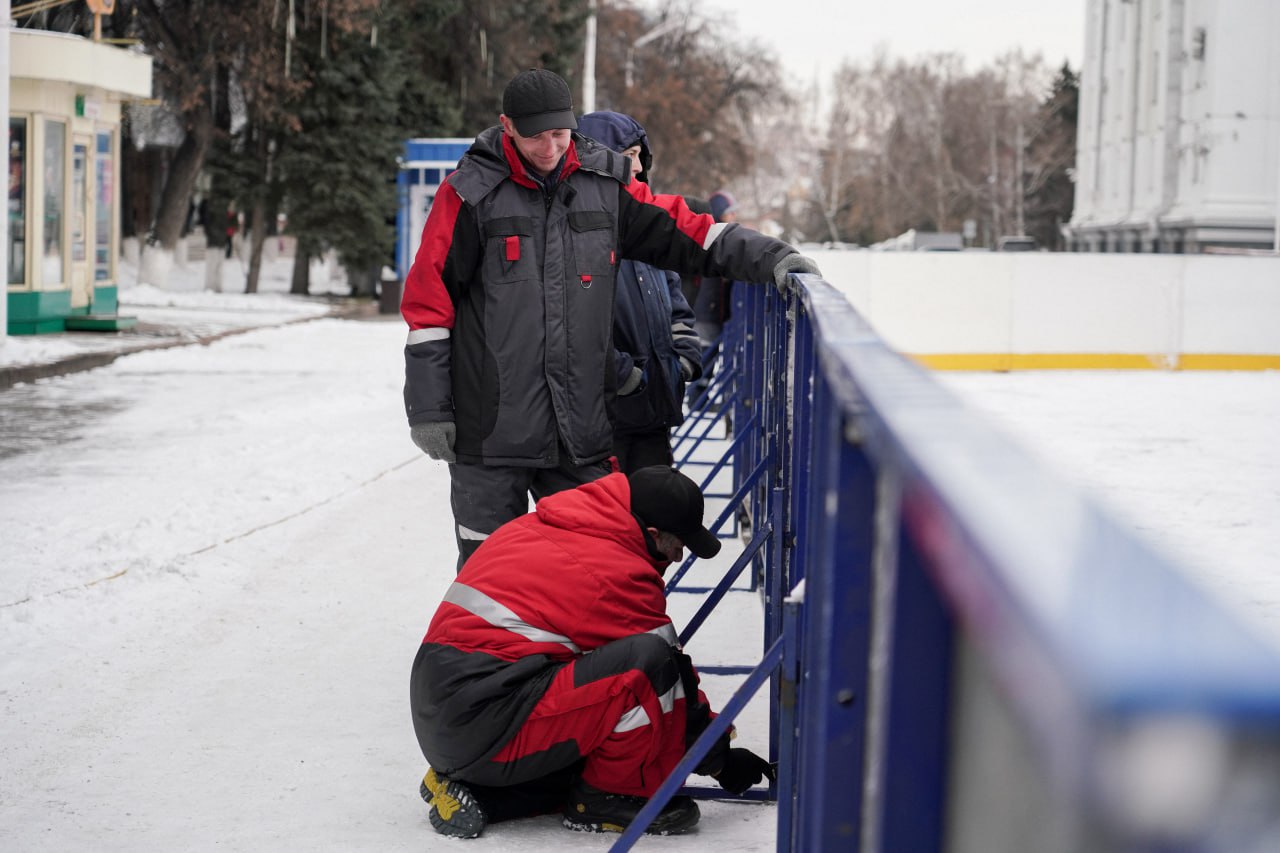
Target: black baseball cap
538, 100
664, 498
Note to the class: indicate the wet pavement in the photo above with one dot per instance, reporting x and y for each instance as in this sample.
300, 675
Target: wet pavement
34, 416
43, 405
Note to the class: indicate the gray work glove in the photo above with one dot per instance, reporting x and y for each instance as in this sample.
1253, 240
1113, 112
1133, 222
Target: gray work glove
635, 381
792, 263
687, 369
435, 439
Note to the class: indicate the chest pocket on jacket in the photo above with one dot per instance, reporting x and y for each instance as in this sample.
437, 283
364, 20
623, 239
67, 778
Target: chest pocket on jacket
593, 250
509, 250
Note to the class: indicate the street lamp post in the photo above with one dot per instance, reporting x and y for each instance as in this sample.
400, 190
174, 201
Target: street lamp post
589, 62
658, 31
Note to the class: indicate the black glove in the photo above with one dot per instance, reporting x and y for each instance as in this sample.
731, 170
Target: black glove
742, 769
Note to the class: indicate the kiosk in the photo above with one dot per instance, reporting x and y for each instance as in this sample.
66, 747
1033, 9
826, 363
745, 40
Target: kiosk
65, 99
423, 168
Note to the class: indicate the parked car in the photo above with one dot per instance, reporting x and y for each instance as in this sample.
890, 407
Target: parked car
1017, 244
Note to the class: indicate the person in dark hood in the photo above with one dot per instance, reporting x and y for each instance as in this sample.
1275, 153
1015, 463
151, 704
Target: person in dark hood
657, 349
509, 363
712, 304
551, 677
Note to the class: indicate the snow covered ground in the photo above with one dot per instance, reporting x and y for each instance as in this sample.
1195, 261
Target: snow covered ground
216, 574
1191, 461
219, 561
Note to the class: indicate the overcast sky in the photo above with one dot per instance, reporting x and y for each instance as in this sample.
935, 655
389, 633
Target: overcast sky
813, 36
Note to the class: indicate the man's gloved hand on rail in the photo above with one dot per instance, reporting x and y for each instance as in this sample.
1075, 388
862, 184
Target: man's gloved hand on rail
792, 263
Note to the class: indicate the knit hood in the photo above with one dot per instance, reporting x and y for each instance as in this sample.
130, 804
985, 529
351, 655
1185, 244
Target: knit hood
618, 132
601, 508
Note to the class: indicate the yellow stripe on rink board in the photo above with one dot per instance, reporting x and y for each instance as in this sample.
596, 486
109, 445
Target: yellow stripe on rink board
1093, 361
1213, 361
1041, 361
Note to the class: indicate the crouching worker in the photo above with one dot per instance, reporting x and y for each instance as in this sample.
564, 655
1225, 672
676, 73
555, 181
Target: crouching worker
550, 678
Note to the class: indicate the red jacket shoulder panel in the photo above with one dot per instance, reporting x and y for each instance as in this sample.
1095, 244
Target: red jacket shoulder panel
426, 302
694, 225
590, 582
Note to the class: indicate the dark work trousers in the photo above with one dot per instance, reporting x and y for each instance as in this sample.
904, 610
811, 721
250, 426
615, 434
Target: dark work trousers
618, 713
641, 449
485, 497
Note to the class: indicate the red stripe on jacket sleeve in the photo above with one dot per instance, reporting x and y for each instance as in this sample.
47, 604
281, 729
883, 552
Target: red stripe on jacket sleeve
695, 225
426, 302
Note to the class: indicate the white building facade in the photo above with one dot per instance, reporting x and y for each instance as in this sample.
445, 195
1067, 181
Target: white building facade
1178, 146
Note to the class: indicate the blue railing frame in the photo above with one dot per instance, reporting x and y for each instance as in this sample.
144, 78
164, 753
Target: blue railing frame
904, 531
1086, 631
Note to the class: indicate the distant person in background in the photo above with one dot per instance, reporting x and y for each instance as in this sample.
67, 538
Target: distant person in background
233, 224
712, 307
656, 350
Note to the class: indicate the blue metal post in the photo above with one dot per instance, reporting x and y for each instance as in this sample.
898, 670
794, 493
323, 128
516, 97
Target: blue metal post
835, 653
915, 771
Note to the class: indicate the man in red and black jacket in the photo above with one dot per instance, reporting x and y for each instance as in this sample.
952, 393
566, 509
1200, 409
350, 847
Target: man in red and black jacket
551, 674
509, 362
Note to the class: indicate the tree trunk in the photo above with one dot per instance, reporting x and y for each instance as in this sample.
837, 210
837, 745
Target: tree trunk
363, 282
300, 283
258, 236
155, 265
175, 199
266, 156
213, 258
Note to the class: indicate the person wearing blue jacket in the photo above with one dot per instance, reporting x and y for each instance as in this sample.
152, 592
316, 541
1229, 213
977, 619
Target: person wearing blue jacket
656, 349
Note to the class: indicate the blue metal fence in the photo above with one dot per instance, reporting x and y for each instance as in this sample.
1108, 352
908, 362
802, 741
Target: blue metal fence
963, 652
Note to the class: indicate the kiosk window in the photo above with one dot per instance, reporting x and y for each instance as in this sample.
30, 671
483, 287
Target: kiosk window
55, 185
17, 247
104, 206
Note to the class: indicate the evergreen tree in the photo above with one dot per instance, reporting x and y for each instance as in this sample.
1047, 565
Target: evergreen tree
475, 48
339, 165
1051, 157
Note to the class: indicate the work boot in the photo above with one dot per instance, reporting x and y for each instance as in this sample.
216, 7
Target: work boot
454, 809
592, 810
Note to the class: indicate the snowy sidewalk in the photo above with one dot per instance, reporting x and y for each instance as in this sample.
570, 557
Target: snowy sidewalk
212, 597
182, 313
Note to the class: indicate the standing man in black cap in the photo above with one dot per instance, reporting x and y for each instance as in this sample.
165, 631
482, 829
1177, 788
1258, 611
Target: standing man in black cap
551, 678
509, 361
